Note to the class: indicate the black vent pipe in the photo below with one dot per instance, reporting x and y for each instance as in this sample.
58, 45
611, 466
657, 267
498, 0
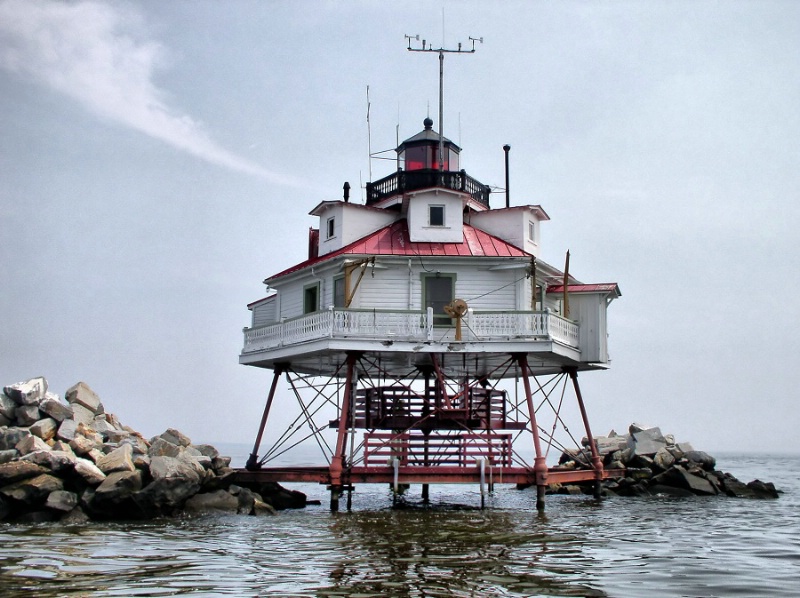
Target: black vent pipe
506, 149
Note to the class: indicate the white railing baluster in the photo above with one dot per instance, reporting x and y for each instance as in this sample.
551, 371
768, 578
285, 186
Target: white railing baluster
411, 326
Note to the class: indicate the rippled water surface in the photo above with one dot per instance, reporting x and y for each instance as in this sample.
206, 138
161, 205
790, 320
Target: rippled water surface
579, 547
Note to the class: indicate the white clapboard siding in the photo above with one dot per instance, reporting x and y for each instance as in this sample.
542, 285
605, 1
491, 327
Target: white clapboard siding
265, 312
393, 287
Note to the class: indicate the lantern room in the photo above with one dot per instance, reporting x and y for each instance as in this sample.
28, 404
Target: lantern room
421, 151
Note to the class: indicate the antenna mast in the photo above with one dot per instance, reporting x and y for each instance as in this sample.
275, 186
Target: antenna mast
369, 138
441, 51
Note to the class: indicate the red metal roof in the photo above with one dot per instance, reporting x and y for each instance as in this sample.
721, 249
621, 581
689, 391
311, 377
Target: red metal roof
609, 287
394, 240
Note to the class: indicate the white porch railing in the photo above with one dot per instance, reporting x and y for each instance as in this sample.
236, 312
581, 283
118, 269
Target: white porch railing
410, 326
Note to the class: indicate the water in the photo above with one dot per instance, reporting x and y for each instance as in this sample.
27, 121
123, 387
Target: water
579, 547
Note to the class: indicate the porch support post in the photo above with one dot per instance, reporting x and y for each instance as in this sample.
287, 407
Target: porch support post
440, 381
539, 465
252, 461
337, 462
597, 462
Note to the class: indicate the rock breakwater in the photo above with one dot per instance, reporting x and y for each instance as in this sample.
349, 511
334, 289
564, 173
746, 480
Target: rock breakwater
654, 464
73, 461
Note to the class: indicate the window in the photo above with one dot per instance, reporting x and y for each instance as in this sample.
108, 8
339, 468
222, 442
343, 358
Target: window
437, 291
330, 228
531, 230
311, 298
436, 215
338, 292
416, 158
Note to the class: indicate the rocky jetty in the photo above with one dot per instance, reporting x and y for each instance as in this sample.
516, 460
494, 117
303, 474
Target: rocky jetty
654, 464
72, 461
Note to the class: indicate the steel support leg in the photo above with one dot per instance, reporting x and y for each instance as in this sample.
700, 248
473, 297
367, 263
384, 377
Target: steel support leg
252, 461
597, 462
337, 462
539, 464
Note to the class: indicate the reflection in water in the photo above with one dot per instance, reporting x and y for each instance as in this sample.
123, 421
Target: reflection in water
454, 553
620, 547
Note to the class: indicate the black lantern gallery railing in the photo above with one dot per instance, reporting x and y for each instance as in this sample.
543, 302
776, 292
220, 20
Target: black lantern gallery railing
404, 181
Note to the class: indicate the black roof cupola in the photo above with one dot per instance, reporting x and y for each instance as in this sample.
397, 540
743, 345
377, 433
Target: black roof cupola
422, 151
418, 168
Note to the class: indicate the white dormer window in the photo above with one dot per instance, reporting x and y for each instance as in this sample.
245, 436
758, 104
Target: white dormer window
329, 228
531, 231
435, 215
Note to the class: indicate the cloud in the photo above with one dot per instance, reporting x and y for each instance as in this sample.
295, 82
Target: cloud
98, 54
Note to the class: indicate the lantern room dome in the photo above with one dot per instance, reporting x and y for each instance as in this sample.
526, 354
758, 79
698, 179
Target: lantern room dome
422, 150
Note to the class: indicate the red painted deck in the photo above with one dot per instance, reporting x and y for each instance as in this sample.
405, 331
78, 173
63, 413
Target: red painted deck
420, 475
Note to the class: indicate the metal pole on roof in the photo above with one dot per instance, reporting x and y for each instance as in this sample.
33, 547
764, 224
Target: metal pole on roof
441, 51
506, 149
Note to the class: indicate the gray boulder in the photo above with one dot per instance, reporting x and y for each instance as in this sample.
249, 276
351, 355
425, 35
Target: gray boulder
636, 427
55, 461
159, 447
663, 459
175, 437
207, 450
55, 408
678, 477
81, 445
30, 444
67, 430
76, 516
8, 455
44, 428
262, 508
165, 496
82, 415
120, 459
9, 437
26, 415
81, 394
7, 406
176, 467
30, 392
115, 491
60, 445
19, 470
647, 442
701, 458
610, 444
117, 436
33, 491
101, 425
62, 500
139, 444
89, 472
218, 500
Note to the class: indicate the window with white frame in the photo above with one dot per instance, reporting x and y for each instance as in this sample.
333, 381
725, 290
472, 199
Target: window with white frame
339, 298
330, 228
311, 298
436, 215
531, 230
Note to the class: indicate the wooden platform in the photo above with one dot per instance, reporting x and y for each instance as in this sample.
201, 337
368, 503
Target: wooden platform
419, 475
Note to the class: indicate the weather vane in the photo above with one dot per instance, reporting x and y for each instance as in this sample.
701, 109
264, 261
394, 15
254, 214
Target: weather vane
441, 51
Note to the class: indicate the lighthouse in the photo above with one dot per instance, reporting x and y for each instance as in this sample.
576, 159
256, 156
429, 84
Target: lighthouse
424, 340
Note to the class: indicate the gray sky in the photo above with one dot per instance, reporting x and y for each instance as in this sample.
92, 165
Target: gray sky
159, 159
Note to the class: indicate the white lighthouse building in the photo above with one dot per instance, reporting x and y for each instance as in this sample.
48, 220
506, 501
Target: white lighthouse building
412, 315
